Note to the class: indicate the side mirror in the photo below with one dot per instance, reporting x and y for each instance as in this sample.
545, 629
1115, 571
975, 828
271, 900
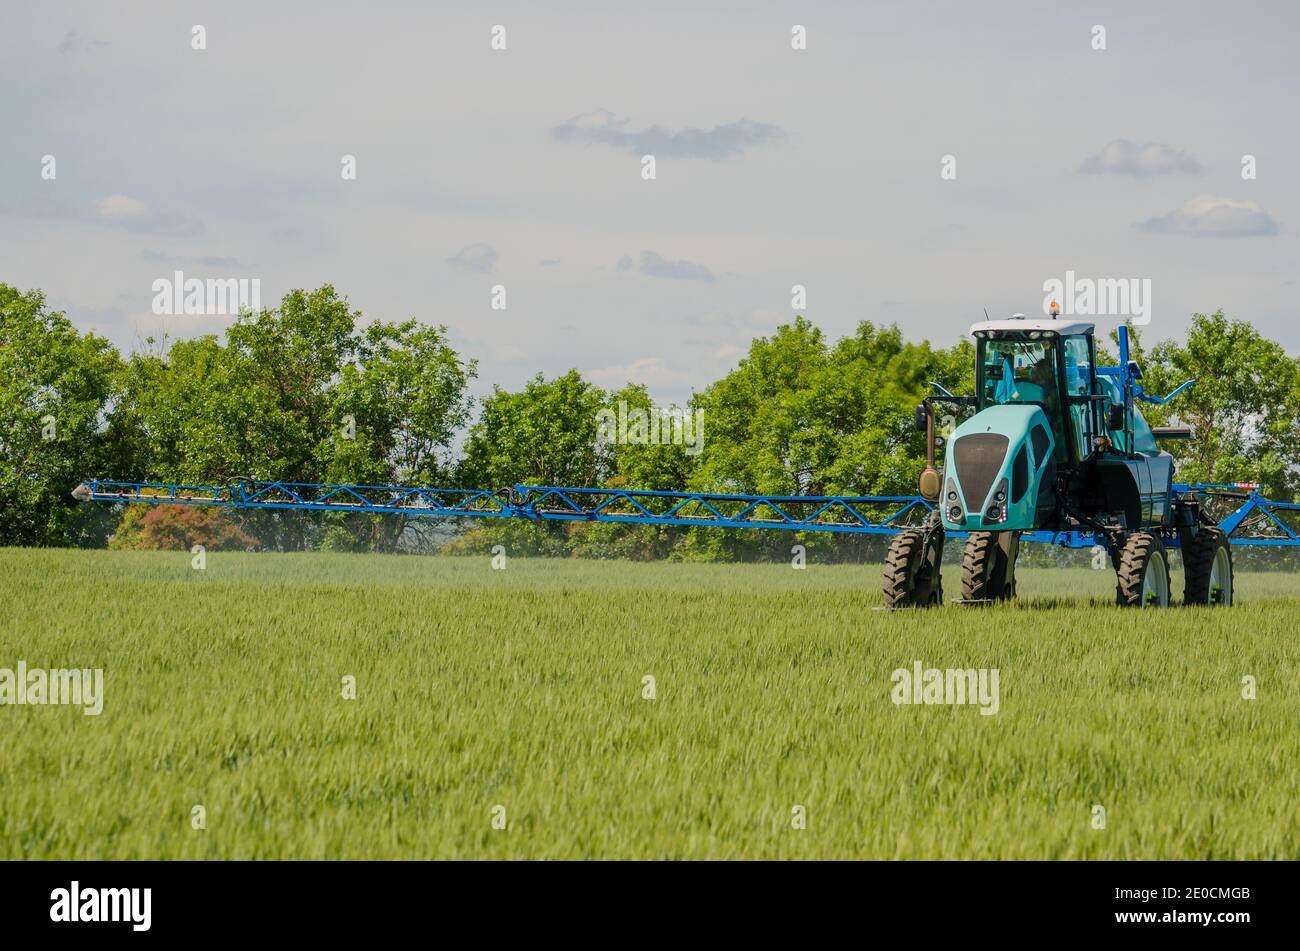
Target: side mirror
922, 422
1115, 416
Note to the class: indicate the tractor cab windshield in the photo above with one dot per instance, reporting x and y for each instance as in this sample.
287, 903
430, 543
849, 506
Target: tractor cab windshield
1019, 371
1019, 368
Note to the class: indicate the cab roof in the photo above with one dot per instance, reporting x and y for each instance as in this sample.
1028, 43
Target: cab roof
1020, 322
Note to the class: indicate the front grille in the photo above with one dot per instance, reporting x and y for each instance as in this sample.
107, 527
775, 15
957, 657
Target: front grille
978, 458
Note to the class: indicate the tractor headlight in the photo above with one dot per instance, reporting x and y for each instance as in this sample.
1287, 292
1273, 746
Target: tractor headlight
955, 514
997, 512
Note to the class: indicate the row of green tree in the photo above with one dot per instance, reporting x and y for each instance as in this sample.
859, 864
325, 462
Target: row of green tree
311, 391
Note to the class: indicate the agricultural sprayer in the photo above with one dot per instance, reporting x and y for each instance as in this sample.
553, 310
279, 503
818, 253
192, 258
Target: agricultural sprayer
1056, 452
1057, 445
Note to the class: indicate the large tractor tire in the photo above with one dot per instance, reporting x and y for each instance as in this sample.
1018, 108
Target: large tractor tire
1207, 568
988, 566
1143, 573
912, 571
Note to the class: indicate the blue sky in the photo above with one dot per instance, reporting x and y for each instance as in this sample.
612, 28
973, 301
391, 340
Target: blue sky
775, 167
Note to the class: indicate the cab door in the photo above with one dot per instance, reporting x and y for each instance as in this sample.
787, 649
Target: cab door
1079, 376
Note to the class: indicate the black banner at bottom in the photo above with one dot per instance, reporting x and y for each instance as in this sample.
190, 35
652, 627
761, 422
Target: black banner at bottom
335, 900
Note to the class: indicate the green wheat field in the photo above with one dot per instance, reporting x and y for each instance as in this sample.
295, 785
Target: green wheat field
523, 689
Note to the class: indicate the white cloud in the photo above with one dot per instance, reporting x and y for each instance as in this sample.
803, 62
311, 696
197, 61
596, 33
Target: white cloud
121, 206
73, 43
203, 260
722, 141
749, 322
651, 371
1214, 217
132, 214
1123, 157
656, 265
476, 258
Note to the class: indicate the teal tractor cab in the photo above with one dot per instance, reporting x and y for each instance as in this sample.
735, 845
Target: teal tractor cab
1056, 450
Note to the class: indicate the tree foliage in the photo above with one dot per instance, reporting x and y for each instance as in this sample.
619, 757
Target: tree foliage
305, 392
798, 417
56, 385
311, 391
180, 528
1244, 409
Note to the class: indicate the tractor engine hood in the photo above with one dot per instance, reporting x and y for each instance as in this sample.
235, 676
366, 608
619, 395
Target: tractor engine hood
995, 465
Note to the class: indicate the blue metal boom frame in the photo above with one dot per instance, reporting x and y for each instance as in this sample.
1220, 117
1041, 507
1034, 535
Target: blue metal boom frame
1253, 521
1256, 520
247, 494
